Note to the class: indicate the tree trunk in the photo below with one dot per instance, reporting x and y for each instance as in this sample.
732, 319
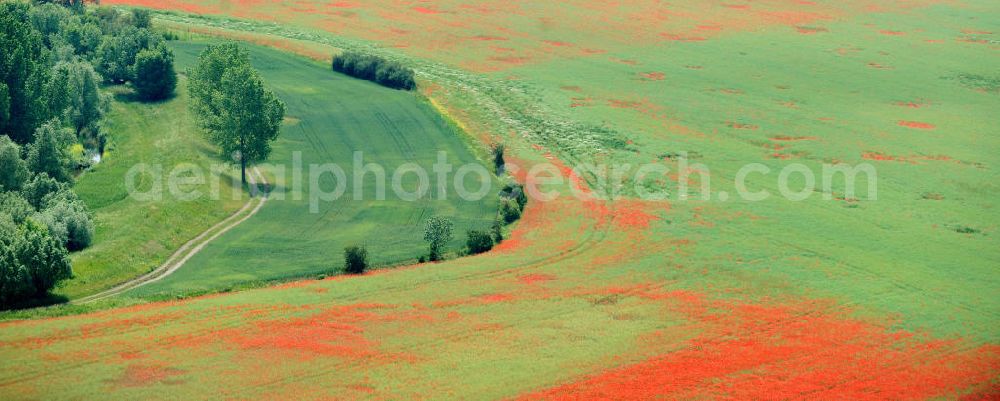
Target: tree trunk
243, 162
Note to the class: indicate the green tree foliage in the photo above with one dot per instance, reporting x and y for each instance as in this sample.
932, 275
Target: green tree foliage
74, 95
355, 259
16, 207
478, 242
61, 51
45, 258
48, 154
14, 169
117, 53
85, 37
15, 281
515, 191
4, 104
141, 18
154, 76
31, 261
437, 232
496, 230
509, 210
23, 72
512, 202
498, 161
230, 101
47, 19
67, 219
110, 20
38, 188
205, 79
76, 6
373, 68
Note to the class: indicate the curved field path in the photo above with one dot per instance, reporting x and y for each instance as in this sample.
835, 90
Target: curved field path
192, 247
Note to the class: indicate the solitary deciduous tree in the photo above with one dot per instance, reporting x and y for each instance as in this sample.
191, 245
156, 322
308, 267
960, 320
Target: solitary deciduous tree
437, 232
231, 103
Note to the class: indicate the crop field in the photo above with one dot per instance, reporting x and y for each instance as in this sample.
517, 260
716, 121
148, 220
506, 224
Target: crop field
331, 116
837, 296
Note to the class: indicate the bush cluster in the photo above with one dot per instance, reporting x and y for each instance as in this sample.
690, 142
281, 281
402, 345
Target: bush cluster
41, 219
374, 68
479, 242
355, 259
512, 202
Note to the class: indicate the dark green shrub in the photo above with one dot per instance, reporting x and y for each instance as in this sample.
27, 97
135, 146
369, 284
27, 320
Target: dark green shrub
116, 54
478, 242
141, 18
154, 76
498, 162
373, 68
516, 192
497, 231
355, 259
510, 211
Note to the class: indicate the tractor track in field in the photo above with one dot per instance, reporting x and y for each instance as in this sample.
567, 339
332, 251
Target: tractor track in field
192, 247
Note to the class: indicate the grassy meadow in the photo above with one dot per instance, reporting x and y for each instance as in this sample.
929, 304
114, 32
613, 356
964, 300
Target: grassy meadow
331, 116
135, 236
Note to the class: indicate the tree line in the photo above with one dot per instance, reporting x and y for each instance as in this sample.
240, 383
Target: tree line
374, 68
55, 57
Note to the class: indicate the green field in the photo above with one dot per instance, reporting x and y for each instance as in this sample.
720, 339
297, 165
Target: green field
134, 237
330, 117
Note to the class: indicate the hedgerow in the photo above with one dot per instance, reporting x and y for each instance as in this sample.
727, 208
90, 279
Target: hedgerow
376, 69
